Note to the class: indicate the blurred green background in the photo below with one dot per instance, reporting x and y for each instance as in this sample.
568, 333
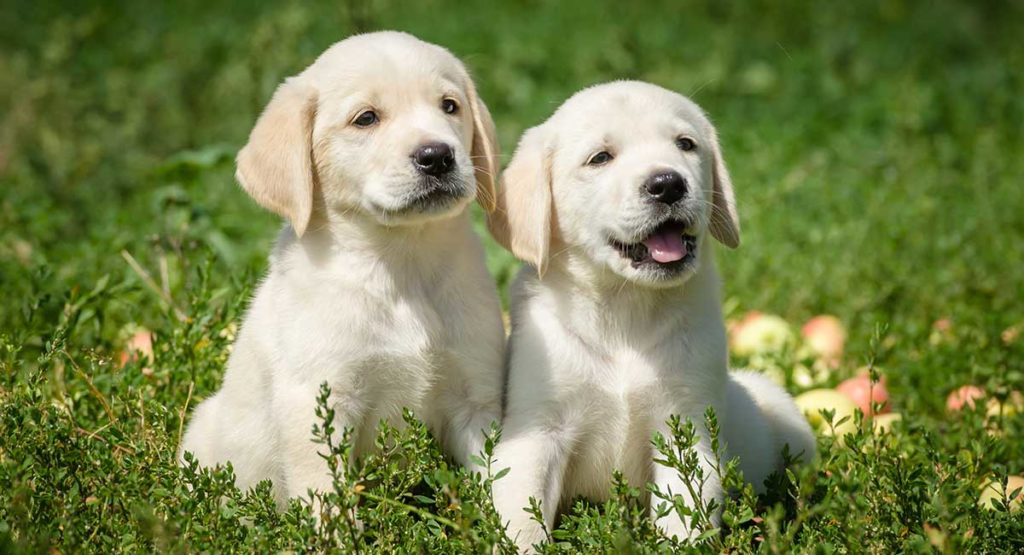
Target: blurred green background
875, 145
876, 148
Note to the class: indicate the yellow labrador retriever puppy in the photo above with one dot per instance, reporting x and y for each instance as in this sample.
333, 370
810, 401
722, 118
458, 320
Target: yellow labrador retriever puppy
378, 285
617, 325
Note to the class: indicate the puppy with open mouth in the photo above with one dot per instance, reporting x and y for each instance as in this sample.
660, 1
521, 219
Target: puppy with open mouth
616, 323
378, 285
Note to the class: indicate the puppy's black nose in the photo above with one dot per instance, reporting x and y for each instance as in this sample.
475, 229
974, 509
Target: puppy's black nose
434, 159
666, 187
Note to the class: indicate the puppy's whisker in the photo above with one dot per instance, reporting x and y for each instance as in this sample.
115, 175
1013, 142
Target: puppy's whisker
701, 87
478, 169
320, 227
622, 286
714, 216
559, 253
502, 156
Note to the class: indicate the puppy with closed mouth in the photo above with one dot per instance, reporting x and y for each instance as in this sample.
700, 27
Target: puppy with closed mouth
616, 323
378, 285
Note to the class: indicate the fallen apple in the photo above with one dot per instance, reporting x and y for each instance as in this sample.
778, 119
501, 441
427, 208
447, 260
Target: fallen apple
994, 490
803, 376
825, 336
761, 333
882, 423
1013, 404
942, 331
1011, 333
964, 395
807, 377
866, 394
812, 402
139, 345
733, 327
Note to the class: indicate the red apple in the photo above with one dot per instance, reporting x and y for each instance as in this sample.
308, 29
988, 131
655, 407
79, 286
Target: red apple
826, 337
865, 394
139, 345
964, 395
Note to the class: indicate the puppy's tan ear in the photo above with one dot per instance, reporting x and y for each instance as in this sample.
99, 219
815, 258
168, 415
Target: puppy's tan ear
484, 153
725, 221
275, 167
521, 222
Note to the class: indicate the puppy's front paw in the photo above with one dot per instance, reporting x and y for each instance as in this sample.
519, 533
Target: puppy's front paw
674, 525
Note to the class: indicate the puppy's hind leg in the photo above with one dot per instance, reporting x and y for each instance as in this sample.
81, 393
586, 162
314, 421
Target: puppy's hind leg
748, 435
778, 411
200, 437
222, 431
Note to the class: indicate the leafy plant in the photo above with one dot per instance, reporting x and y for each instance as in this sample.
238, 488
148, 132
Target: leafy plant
875, 148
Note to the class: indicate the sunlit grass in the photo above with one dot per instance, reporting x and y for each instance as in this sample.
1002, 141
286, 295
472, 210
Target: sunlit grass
875, 147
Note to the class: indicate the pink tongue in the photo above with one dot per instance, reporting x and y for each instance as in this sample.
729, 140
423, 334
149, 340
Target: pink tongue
666, 246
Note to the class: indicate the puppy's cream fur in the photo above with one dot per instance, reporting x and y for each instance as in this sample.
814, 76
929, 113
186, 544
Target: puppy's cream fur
603, 352
382, 296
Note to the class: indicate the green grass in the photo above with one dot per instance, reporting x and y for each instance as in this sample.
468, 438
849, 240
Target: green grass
875, 146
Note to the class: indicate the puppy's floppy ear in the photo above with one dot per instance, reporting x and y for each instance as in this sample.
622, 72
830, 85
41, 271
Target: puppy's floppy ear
725, 221
521, 221
275, 167
484, 152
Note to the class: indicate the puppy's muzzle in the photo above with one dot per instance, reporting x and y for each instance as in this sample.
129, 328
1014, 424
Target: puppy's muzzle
434, 159
665, 187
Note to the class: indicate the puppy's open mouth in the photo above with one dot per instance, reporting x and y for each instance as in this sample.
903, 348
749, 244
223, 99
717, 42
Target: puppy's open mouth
668, 247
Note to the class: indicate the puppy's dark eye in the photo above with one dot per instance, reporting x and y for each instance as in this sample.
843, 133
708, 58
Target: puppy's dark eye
366, 119
600, 159
685, 144
450, 106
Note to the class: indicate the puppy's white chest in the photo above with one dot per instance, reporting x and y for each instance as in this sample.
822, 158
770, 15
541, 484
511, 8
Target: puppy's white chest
402, 347
617, 418
633, 374
362, 343
409, 330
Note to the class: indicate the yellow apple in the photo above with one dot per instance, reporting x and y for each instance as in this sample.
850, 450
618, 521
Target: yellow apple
994, 490
1011, 406
1011, 333
814, 401
942, 331
761, 333
882, 423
